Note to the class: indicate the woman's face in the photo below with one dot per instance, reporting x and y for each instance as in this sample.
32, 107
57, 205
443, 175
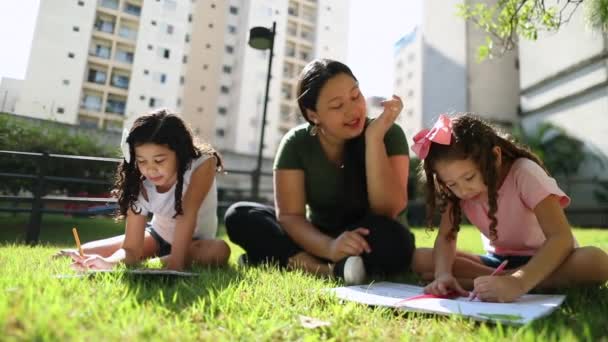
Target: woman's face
341, 108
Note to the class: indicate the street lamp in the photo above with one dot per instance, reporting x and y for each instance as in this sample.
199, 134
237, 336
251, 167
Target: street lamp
262, 38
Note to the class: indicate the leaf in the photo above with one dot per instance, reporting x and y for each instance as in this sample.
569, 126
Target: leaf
312, 323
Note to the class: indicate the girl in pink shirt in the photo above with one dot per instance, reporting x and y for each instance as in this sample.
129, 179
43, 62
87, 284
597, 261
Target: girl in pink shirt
504, 190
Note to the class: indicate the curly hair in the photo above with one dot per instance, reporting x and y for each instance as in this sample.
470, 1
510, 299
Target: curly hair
474, 139
163, 128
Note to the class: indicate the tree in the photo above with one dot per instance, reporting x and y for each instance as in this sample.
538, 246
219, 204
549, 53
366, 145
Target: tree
506, 20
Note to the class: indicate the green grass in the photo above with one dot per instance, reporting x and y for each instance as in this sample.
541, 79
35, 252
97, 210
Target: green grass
235, 303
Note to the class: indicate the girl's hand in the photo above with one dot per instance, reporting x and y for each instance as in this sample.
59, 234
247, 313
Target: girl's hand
349, 243
444, 284
501, 289
378, 127
91, 261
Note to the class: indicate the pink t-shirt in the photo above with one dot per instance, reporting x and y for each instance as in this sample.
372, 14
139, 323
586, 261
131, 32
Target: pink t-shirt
519, 232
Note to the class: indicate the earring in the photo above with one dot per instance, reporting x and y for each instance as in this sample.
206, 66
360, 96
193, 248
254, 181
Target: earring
314, 130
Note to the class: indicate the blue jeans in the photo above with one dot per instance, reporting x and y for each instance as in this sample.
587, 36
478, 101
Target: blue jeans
515, 261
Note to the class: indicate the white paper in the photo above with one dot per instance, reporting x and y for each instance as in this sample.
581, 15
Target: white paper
524, 310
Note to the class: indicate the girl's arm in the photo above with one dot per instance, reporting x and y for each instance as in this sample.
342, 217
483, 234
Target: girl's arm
290, 203
133, 246
200, 183
557, 247
444, 250
386, 179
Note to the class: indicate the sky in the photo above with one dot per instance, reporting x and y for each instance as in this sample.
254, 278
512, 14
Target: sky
372, 34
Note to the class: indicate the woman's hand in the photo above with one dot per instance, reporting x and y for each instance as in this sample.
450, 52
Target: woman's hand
501, 289
445, 284
349, 243
92, 262
378, 127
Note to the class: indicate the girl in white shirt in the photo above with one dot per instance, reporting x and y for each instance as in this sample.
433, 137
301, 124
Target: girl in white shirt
164, 174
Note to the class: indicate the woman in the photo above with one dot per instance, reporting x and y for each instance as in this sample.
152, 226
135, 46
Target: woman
340, 184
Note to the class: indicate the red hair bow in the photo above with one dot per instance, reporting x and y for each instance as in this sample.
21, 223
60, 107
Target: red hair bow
441, 133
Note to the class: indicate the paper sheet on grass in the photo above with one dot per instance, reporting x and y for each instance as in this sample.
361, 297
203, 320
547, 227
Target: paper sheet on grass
138, 272
525, 310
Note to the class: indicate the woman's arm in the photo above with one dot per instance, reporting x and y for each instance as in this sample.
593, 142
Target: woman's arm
200, 183
290, 203
557, 247
386, 179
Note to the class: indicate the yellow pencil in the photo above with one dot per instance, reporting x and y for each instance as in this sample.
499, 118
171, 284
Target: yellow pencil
75, 232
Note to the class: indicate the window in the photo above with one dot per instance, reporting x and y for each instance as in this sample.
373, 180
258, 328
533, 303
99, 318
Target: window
185, 59
80, 3
70, 55
212, 5
182, 80
153, 22
142, 97
60, 110
234, 10
187, 38
225, 90
66, 82
178, 102
199, 109
222, 110
152, 102
205, 66
76, 29
165, 53
227, 69
146, 71
220, 132
163, 78
150, 47
207, 46
229, 49
210, 25
203, 88
169, 29
231, 29
190, 17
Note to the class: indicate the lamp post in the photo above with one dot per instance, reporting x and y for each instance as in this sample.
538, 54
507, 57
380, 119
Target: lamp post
262, 38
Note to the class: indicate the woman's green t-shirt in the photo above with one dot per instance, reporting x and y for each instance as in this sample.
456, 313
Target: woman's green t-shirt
324, 180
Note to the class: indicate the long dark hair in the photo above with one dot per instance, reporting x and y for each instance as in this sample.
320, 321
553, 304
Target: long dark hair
163, 128
312, 79
472, 138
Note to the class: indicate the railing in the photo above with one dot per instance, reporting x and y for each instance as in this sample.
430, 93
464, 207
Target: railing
41, 179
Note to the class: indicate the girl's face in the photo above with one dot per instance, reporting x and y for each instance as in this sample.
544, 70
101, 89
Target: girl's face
341, 109
463, 178
158, 164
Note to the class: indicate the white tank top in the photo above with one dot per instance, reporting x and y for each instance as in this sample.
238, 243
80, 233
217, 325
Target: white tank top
162, 207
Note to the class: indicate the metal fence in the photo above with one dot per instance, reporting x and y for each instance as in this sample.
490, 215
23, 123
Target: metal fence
37, 191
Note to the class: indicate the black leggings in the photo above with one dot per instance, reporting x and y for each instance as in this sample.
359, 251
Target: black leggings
255, 228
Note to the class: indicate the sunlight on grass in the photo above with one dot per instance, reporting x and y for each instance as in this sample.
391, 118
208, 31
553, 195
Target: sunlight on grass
235, 303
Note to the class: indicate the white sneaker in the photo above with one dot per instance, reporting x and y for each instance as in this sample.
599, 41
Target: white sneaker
351, 269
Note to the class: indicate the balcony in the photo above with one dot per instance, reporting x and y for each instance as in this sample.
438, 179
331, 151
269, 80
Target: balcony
127, 32
111, 4
132, 9
101, 51
115, 106
97, 76
120, 81
124, 56
104, 26
91, 103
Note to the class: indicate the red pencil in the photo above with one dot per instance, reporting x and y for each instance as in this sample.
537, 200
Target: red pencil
498, 269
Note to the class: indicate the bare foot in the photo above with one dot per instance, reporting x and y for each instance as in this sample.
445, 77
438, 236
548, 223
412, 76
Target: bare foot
306, 262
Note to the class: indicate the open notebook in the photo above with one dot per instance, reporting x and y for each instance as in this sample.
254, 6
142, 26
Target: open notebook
524, 310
